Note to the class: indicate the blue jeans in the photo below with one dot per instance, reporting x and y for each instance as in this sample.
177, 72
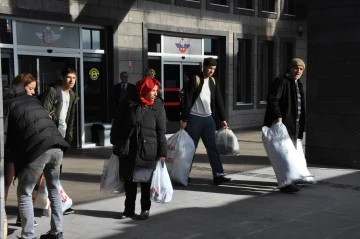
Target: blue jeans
204, 128
49, 163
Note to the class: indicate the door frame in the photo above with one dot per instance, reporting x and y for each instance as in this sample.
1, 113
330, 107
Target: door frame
77, 56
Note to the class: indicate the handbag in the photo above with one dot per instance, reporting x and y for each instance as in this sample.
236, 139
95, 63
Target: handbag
122, 149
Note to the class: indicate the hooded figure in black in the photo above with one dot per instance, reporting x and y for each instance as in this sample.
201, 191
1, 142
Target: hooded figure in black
33, 138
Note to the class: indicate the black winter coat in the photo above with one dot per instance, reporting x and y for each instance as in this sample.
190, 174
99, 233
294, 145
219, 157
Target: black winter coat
282, 103
28, 128
150, 125
192, 92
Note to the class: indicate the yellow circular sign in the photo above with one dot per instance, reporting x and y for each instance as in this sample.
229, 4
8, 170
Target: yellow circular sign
94, 73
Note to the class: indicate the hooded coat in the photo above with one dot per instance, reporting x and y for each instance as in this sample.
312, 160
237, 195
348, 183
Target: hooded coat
28, 129
149, 123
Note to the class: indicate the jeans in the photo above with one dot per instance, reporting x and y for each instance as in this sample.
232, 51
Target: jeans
205, 128
49, 163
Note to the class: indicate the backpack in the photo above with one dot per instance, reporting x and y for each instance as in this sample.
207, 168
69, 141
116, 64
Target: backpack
197, 80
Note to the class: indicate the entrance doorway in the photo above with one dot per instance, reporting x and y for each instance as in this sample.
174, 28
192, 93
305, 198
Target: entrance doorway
47, 71
173, 83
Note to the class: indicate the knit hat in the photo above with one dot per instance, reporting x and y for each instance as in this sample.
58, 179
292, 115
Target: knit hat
296, 62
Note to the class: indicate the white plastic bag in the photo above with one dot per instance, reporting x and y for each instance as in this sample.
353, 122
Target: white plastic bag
226, 142
41, 198
286, 161
40, 194
161, 189
110, 181
66, 201
180, 153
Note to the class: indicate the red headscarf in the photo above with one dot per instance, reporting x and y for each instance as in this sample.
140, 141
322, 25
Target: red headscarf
144, 86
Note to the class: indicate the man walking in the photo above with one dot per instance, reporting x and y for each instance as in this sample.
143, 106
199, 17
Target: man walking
60, 101
35, 140
286, 104
202, 103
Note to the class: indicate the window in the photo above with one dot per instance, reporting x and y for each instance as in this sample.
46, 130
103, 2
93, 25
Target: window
210, 46
154, 42
7, 67
287, 52
266, 67
244, 72
6, 31
161, 1
289, 7
288, 10
218, 5
244, 7
267, 8
92, 39
189, 3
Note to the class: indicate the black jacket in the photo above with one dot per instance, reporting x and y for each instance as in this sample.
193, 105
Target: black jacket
192, 92
282, 103
28, 128
119, 96
152, 128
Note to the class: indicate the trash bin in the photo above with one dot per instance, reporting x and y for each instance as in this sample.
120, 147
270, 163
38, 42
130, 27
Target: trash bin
103, 134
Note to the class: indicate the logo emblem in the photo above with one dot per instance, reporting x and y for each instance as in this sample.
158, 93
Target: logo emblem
94, 73
48, 36
182, 46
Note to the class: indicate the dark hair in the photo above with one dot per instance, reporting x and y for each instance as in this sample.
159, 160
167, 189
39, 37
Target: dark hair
67, 71
122, 73
23, 79
210, 62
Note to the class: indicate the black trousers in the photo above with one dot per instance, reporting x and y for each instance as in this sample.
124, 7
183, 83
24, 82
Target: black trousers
130, 196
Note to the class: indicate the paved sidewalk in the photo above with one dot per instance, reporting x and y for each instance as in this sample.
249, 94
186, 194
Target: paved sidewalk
249, 207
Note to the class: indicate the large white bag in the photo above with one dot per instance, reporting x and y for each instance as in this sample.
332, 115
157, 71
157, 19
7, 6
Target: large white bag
226, 142
41, 197
40, 194
110, 181
180, 153
161, 189
288, 163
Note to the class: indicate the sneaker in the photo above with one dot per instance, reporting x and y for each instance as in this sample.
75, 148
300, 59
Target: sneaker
289, 189
68, 211
143, 215
49, 235
221, 179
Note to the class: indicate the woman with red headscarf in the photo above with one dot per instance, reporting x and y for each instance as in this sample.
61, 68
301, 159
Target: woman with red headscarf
144, 122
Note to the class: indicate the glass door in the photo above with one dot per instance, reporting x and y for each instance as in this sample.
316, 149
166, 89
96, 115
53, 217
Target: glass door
173, 82
47, 71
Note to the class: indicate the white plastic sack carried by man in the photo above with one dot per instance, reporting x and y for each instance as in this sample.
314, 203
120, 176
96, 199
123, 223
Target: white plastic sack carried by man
288, 163
41, 200
161, 189
180, 153
110, 181
226, 142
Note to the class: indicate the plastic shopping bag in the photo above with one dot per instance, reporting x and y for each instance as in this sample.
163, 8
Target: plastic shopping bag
40, 194
180, 153
286, 161
226, 142
66, 201
161, 189
110, 180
